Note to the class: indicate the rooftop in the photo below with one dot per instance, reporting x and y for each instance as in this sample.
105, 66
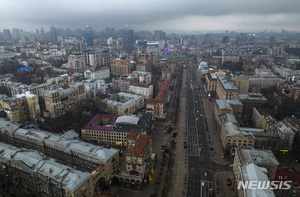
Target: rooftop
122, 99
252, 172
70, 178
140, 144
64, 142
223, 104
226, 82
256, 156
252, 96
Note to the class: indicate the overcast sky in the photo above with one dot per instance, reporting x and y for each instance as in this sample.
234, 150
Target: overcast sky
168, 15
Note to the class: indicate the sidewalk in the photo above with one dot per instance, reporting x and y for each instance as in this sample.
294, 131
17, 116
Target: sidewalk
179, 183
212, 130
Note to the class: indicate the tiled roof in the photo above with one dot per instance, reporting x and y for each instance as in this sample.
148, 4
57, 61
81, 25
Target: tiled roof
140, 145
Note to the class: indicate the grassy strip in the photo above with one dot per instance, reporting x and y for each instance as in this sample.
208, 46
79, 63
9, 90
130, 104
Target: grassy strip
168, 179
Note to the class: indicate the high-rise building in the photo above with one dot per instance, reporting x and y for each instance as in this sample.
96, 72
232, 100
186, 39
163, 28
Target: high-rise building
77, 62
208, 39
53, 36
15, 34
225, 39
128, 40
159, 35
6, 34
88, 35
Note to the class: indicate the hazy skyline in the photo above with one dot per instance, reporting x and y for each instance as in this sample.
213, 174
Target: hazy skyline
175, 15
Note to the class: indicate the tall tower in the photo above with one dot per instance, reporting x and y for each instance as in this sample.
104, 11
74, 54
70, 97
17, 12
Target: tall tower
128, 40
53, 35
6, 34
208, 39
15, 34
88, 35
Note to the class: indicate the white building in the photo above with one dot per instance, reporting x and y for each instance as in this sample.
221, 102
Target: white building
94, 87
264, 81
145, 90
77, 62
99, 73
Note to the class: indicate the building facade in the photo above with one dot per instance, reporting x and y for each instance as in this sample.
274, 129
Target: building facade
226, 89
120, 67
124, 103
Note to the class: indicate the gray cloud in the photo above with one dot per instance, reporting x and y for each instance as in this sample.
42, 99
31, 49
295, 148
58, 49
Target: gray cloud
139, 14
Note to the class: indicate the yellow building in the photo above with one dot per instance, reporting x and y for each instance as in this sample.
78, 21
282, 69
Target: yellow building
156, 107
252, 100
242, 83
211, 81
22, 107
226, 89
57, 102
120, 67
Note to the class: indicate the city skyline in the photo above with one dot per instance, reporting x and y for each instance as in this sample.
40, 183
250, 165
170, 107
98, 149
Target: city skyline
187, 16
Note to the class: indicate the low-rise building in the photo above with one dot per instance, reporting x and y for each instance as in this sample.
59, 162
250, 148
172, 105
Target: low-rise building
139, 159
242, 83
260, 117
114, 129
97, 73
226, 89
233, 106
156, 106
45, 176
124, 103
285, 134
259, 157
252, 172
65, 148
57, 102
251, 100
21, 107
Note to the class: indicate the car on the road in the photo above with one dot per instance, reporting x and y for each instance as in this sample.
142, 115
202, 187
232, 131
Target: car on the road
229, 182
185, 144
201, 162
210, 192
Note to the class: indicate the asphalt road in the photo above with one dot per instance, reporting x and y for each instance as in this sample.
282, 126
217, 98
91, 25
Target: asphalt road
201, 168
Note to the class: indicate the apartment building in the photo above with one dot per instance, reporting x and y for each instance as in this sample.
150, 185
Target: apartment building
233, 106
65, 148
57, 102
114, 129
120, 67
124, 103
77, 62
242, 83
143, 77
261, 116
251, 100
139, 159
141, 89
259, 157
21, 107
45, 176
97, 73
226, 89
156, 106
131, 86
